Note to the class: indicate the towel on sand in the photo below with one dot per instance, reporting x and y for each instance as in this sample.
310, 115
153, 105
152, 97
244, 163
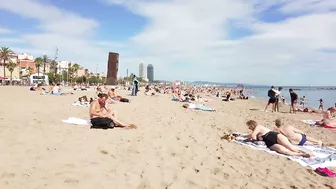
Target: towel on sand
324, 156
77, 121
309, 122
86, 104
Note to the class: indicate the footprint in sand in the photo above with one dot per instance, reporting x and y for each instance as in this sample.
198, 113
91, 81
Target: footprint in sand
7, 175
71, 181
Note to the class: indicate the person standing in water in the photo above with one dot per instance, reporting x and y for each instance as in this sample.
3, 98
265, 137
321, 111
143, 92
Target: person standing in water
303, 99
321, 104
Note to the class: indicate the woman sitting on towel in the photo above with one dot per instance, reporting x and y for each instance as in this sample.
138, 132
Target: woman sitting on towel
274, 140
328, 120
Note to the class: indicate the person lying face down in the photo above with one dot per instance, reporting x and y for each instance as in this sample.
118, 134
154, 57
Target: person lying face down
274, 140
294, 135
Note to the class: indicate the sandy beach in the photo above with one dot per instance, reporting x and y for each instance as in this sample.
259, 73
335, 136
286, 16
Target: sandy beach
172, 148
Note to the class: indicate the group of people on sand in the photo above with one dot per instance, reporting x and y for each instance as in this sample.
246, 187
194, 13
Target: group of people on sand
190, 96
284, 139
275, 98
54, 89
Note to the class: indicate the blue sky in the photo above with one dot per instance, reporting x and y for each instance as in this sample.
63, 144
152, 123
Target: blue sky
280, 42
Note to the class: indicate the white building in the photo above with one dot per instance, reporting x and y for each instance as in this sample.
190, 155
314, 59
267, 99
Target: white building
62, 66
143, 71
39, 78
25, 56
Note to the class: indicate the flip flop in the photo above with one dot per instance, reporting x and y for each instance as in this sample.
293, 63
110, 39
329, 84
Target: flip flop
329, 172
325, 172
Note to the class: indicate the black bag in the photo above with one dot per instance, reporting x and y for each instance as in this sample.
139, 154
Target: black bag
102, 123
124, 100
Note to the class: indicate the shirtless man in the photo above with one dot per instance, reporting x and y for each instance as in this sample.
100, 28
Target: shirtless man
294, 135
103, 117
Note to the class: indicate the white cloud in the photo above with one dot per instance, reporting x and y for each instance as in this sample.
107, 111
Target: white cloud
68, 31
5, 31
191, 39
195, 34
309, 6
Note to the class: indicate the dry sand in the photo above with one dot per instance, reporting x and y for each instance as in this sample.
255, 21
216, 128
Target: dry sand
172, 148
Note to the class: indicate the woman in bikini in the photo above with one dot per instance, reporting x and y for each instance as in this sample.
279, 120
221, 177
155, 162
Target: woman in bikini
328, 119
274, 140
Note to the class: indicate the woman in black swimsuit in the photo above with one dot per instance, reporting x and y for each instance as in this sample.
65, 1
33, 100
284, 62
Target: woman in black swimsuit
274, 140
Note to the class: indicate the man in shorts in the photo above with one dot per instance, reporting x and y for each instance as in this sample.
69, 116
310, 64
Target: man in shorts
272, 99
102, 117
294, 135
294, 98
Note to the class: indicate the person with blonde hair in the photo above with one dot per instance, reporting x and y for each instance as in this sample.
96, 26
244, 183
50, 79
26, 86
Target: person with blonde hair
294, 135
274, 140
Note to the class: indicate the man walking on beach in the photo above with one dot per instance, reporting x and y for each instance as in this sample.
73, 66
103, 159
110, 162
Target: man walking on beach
294, 135
272, 99
294, 98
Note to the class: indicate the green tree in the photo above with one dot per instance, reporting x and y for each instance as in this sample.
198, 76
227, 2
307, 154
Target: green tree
5, 54
45, 61
11, 66
74, 70
38, 63
53, 66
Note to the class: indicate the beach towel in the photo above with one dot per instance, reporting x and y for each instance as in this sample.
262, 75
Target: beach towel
86, 104
204, 108
77, 121
309, 122
324, 156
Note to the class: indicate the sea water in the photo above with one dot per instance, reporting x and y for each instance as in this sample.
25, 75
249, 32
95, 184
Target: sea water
312, 94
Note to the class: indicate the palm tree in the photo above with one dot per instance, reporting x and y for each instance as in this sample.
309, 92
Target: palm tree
5, 54
53, 66
45, 61
29, 69
75, 68
38, 63
11, 66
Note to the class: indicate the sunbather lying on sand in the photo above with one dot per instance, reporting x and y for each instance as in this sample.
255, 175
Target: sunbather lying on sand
294, 135
307, 110
198, 107
177, 96
101, 116
328, 120
274, 140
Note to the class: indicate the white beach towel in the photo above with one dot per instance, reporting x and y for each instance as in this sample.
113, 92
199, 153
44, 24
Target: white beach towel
77, 121
86, 104
324, 156
309, 122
